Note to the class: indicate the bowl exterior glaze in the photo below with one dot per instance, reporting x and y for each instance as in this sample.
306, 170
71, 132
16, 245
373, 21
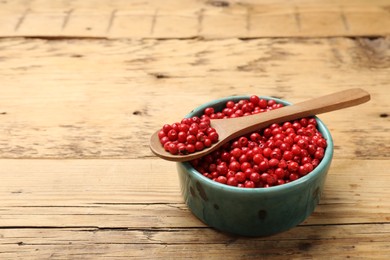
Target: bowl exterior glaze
253, 212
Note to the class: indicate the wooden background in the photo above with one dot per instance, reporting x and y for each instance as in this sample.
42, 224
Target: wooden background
85, 83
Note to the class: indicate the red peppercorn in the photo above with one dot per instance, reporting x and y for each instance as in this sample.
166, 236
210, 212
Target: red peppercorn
172, 148
209, 111
249, 184
221, 179
232, 181
263, 165
235, 166
181, 148
182, 137
293, 176
222, 169
267, 152
199, 146
240, 177
273, 162
166, 128
172, 135
184, 128
292, 166
190, 148
279, 172
207, 142
213, 137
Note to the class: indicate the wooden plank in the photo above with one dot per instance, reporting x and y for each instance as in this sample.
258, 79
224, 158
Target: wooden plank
146, 194
103, 99
190, 18
368, 241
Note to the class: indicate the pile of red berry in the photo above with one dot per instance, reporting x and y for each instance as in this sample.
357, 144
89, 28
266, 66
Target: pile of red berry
188, 136
278, 154
194, 134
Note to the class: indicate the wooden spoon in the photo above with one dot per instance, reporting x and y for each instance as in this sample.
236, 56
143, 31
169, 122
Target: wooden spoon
231, 128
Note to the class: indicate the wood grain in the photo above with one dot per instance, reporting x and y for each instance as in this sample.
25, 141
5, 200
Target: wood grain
142, 193
336, 242
206, 18
103, 99
115, 208
85, 83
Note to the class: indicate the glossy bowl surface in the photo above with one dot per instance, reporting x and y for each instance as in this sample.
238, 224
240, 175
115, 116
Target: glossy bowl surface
258, 211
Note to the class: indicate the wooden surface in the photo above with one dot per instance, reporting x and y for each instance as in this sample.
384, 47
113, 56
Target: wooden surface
85, 83
189, 18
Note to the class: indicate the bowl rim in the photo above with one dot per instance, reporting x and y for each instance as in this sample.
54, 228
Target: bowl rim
325, 162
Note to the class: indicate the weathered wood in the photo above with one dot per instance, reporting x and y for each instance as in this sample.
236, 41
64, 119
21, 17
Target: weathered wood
336, 242
190, 18
146, 194
103, 99
100, 81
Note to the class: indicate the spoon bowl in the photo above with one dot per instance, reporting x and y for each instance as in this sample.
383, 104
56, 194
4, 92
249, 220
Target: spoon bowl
229, 129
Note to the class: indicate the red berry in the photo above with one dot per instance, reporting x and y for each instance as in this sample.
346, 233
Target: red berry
296, 150
200, 136
319, 154
245, 166
257, 158
181, 148
273, 162
240, 176
172, 135
186, 121
230, 104
236, 152
249, 184
191, 139
293, 176
182, 137
288, 155
292, 166
222, 169
164, 140
209, 111
184, 128
279, 172
190, 148
161, 134
199, 146
234, 166
221, 179
175, 126
263, 166
172, 148
213, 137
254, 99
166, 128
267, 152
193, 130
232, 181
207, 142
255, 177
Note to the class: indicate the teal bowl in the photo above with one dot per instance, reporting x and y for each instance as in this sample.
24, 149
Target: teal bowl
256, 211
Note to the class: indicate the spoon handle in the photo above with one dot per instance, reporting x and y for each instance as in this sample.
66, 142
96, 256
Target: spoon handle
315, 106
334, 101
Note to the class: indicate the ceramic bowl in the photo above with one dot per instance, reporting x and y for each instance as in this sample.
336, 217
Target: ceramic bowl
256, 211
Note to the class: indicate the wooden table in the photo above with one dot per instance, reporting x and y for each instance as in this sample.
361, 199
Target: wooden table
85, 83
